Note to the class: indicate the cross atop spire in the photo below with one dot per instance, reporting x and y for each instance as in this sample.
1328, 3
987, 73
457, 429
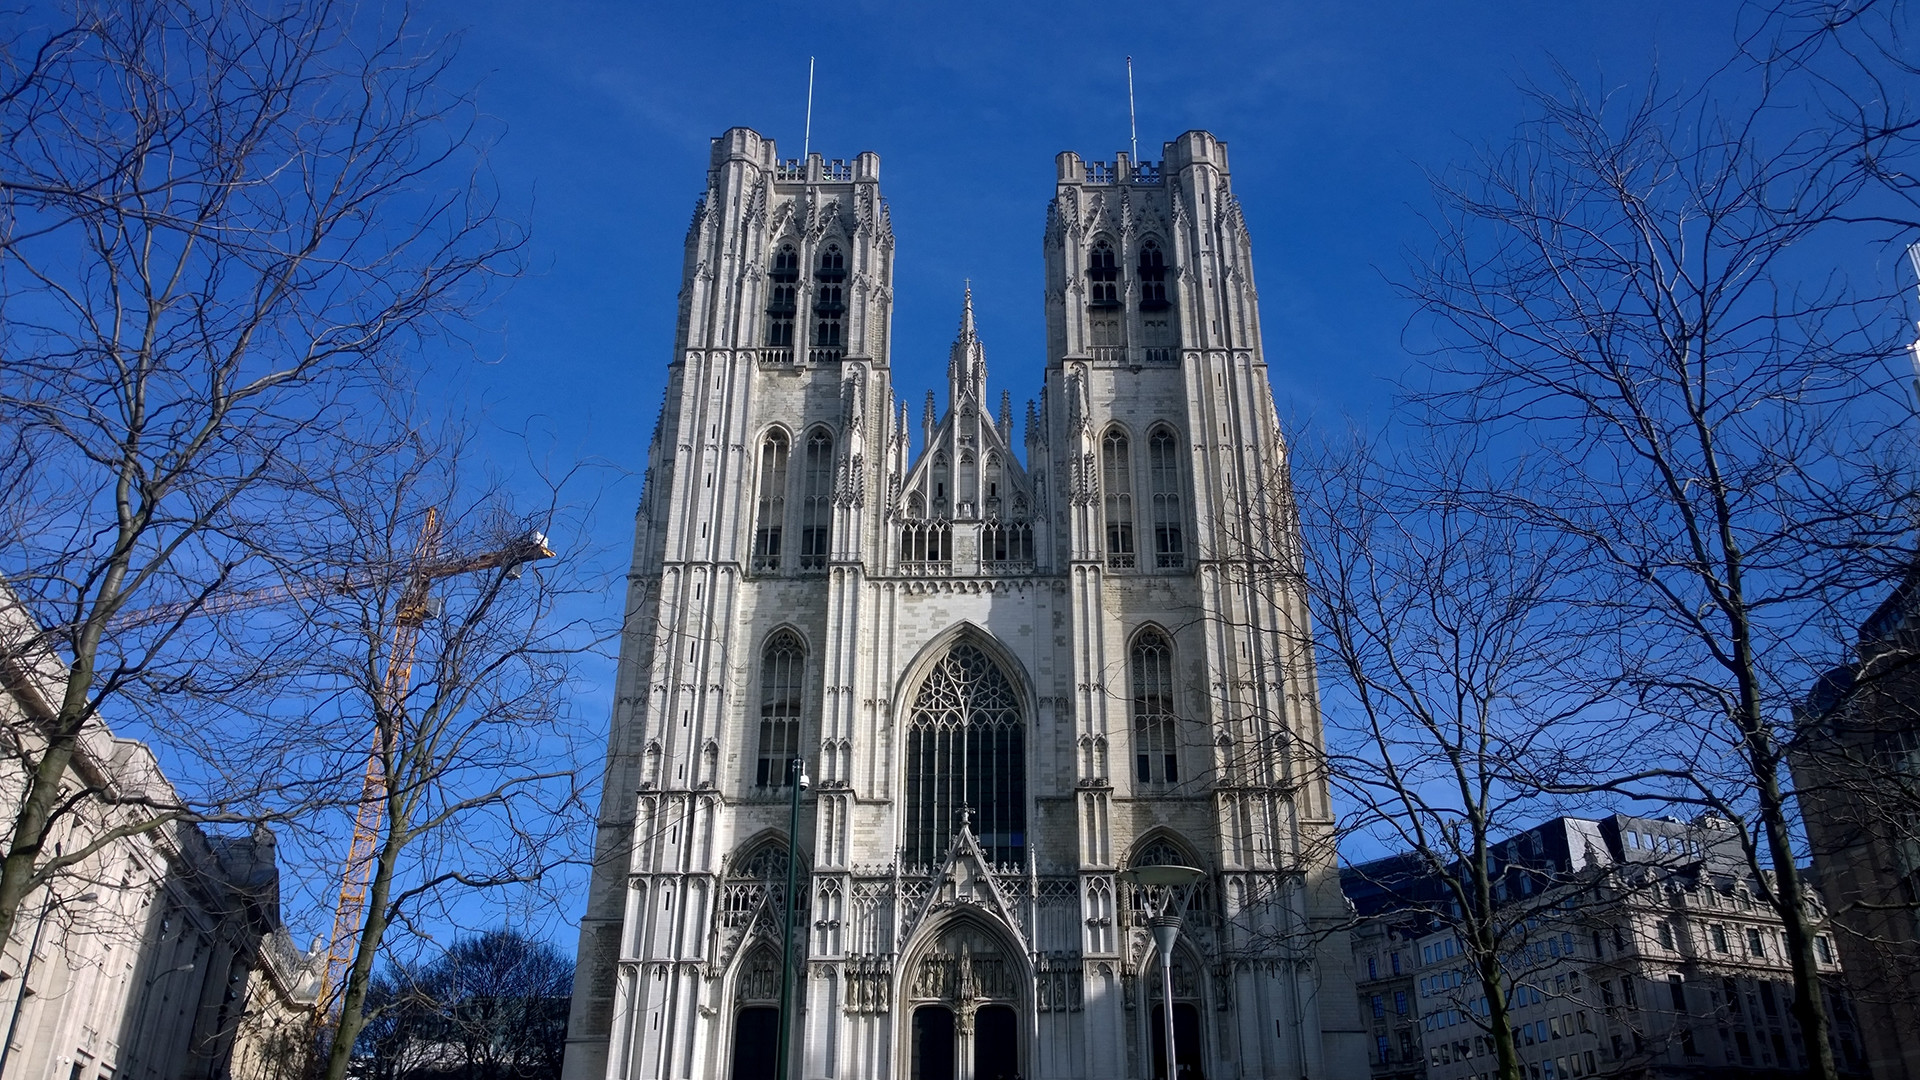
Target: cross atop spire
967, 332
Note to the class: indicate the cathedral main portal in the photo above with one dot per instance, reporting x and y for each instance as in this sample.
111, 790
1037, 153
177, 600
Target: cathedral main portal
964, 991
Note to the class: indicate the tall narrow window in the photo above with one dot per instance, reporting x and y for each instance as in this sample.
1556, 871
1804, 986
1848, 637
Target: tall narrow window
1153, 278
782, 288
1103, 276
782, 678
829, 303
1155, 736
966, 486
816, 502
772, 512
1116, 480
942, 477
1163, 486
966, 750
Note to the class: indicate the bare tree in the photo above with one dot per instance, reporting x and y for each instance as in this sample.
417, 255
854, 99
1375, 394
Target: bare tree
1640, 290
220, 222
1447, 663
441, 694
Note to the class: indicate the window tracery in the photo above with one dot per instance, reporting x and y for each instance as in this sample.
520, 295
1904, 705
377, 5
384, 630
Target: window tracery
816, 502
1163, 485
1103, 275
1155, 734
1116, 481
783, 289
966, 747
829, 302
1152, 272
772, 511
782, 686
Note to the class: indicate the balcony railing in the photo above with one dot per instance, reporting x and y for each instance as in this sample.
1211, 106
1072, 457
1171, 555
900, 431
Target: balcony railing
1155, 356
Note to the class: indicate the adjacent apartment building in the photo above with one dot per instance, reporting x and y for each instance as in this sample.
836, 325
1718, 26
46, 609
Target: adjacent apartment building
1645, 953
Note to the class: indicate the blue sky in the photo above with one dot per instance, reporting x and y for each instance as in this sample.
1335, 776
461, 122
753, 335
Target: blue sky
1334, 114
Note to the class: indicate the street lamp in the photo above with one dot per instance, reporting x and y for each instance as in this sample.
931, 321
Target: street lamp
1167, 889
797, 779
26, 966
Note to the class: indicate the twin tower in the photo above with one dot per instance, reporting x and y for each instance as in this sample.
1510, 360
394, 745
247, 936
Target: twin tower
1016, 661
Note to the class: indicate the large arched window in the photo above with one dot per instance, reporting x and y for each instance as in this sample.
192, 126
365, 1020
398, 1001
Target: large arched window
966, 748
1103, 276
816, 502
772, 511
1155, 736
783, 286
1163, 487
782, 689
1116, 482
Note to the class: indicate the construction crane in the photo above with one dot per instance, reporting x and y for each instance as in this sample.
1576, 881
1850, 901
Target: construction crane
421, 571
410, 614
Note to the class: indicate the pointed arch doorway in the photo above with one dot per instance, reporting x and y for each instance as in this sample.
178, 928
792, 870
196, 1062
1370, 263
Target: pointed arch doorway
967, 1008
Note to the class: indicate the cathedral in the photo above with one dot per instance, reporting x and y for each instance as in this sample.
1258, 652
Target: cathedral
1012, 662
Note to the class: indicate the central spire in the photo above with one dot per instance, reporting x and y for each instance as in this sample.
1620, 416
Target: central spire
967, 366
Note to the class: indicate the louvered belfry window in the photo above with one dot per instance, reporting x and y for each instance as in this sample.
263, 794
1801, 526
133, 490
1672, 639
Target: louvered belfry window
966, 747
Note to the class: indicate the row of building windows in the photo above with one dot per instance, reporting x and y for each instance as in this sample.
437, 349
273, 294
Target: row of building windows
1754, 939
961, 750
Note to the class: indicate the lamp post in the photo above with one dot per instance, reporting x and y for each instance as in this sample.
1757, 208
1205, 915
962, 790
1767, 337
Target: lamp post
26, 968
1167, 889
797, 779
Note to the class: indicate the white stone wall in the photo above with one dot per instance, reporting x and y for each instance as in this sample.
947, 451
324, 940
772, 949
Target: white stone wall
669, 947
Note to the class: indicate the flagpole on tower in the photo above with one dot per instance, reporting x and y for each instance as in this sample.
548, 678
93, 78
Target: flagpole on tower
806, 140
1133, 129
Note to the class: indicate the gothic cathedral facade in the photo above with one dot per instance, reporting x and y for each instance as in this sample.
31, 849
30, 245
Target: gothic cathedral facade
1014, 665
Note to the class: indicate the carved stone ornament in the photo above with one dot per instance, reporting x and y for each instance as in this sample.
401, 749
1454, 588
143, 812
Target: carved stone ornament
966, 965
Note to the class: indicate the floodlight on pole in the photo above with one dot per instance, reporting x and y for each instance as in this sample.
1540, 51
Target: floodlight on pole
1167, 889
